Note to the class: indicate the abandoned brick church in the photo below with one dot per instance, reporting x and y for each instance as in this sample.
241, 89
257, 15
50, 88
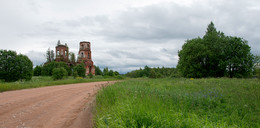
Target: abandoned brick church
84, 55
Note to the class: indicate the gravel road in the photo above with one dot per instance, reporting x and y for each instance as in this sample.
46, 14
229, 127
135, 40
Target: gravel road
66, 106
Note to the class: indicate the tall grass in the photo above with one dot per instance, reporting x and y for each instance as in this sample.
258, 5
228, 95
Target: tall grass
42, 81
180, 102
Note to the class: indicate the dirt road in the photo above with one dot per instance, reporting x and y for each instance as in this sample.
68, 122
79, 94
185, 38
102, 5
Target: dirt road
64, 106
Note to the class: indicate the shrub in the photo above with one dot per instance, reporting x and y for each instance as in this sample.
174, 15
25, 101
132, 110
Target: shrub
75, 74
90, 75
80, 68
59, 73
37, 71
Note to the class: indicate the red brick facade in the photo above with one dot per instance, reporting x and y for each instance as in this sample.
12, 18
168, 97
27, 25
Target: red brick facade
62, 53
84, 56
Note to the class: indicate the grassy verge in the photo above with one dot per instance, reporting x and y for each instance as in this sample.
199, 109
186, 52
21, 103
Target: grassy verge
42, 81
180, 102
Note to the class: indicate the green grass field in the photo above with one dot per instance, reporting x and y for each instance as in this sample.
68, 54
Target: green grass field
42, 81
186, 103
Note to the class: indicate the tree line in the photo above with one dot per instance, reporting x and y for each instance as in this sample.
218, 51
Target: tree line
153, 72
72, 70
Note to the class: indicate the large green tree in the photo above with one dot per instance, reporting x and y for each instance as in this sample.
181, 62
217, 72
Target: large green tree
14, 67
215, 55
238, 59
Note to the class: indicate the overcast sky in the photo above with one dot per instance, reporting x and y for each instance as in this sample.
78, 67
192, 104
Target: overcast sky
124, 34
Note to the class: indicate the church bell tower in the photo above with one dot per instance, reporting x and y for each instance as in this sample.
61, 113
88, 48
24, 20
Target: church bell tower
84, 56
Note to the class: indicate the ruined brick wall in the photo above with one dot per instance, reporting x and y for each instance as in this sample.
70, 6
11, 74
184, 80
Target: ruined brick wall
84, 55
62, 53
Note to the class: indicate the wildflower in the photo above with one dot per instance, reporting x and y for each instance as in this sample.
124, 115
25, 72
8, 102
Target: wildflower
79, 78
191, 78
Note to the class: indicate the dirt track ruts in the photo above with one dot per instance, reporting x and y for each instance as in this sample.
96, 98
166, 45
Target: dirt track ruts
65, 106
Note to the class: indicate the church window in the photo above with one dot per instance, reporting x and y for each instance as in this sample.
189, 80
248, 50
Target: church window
82, 54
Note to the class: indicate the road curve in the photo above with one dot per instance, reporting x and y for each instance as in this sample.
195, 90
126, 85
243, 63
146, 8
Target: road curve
65, 106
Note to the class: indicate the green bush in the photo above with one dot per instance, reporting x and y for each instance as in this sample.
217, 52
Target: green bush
75, 74
59, 73
37, 71
90, 75
80, 68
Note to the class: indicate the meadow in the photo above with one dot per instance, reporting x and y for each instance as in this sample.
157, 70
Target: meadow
42, 81
180, 102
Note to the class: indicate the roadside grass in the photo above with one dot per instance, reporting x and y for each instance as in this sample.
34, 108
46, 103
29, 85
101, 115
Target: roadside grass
41, 81
175, 103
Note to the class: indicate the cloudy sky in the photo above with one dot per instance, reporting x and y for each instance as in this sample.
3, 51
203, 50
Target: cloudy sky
124, 34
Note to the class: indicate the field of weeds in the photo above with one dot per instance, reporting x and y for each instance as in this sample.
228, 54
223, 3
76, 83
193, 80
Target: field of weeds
211, 102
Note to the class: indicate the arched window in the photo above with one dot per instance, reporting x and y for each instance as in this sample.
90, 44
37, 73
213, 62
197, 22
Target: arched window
82, 46
58, 52
66, 53
82, 54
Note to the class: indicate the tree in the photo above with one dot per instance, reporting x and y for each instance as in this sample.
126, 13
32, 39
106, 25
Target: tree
238, 59
105, 71
80, 68
48, 55
193, 59
14, 67
153, 74
111, 73
48, 67
214, 42
97, 70
215, 55
37, 70
72, 58
24, 67
146, 71
8, 70
257, 61
116, 73
52, 55
256, 71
